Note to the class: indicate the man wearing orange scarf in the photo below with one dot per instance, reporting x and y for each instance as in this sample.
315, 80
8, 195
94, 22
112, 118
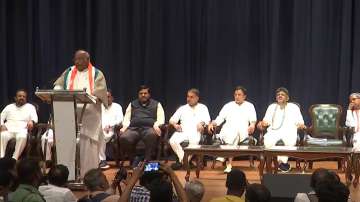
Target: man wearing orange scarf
78, 77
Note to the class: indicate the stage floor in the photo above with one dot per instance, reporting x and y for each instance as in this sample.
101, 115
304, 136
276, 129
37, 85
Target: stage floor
214, 179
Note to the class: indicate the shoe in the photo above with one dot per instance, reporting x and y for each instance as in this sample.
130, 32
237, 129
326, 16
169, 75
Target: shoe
228, 168
103, 165
176, 166
284, 167
221, 159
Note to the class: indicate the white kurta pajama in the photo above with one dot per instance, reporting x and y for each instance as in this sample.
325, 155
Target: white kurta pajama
91, 123
283, 126
238, 118
15, 120
111, 116
353, 120
189, 117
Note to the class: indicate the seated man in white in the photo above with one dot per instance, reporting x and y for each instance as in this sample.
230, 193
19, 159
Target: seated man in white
111, 116
17, 119
240, 119
282, 120
56, 190
192, 117
353, 118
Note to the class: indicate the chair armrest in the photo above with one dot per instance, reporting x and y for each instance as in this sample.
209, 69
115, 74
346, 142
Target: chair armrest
261, 134
301, 133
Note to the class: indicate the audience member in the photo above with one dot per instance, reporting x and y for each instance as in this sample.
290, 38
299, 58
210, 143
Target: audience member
194, 190
236, 185
332, 192
98, 186
6, 181
56, 190
257, 193
319, 176
160, 188
29, 176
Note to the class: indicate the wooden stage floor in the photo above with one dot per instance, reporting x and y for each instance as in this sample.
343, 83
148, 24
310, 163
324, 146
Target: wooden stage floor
214, 179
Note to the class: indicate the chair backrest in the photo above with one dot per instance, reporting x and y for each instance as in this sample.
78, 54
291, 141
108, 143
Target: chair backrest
325, 120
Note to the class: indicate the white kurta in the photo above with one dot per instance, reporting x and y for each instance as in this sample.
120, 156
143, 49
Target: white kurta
111, 116
237, 117
189, 117
15, 120
283, 125
353, 120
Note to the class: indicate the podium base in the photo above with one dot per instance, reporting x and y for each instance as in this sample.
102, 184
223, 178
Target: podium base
80, 186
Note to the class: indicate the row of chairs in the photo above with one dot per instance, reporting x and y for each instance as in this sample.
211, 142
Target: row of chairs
325, 126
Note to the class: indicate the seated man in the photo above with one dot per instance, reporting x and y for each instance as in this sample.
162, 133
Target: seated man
142, 119
111, 116
17, 119
240, 117
282, 119
236, 184
56, 190
353, 118
193, 116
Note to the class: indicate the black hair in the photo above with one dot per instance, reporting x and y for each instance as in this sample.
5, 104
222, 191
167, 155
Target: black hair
161, 190
236, 180
142, 87
257, 193
322, 174
27, 169
58, 175
243, 89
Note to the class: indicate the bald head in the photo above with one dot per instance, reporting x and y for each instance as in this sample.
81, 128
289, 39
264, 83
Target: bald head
81, 59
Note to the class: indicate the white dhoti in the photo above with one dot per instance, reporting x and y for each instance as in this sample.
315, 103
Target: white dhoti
90, 132
103, 139
47, 143
288, 136
356, 141
20, 136
233, 135
178, 137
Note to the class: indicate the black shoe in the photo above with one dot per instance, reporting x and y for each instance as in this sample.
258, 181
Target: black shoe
176, 166
284, 167
103, 165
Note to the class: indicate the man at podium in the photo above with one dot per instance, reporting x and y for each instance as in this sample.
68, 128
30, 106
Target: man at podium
83, 75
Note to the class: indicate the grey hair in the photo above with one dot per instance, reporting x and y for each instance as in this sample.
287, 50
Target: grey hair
194, 190
357, 95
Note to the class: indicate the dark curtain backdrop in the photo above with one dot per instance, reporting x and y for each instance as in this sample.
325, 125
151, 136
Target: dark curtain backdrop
312, 47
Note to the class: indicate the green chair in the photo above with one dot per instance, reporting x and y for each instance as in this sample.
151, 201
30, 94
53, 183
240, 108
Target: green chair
325, 129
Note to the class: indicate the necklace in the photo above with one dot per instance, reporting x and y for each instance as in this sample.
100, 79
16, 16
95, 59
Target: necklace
282, 119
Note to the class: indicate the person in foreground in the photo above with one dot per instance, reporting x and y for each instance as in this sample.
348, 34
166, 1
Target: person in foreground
161, 189
236, 184
30, 177
326, 187
56, 190
257, 193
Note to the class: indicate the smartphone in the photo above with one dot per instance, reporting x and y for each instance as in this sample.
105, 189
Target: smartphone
152, 166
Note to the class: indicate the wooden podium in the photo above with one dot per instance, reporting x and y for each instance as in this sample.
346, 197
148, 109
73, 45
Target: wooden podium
67, 124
